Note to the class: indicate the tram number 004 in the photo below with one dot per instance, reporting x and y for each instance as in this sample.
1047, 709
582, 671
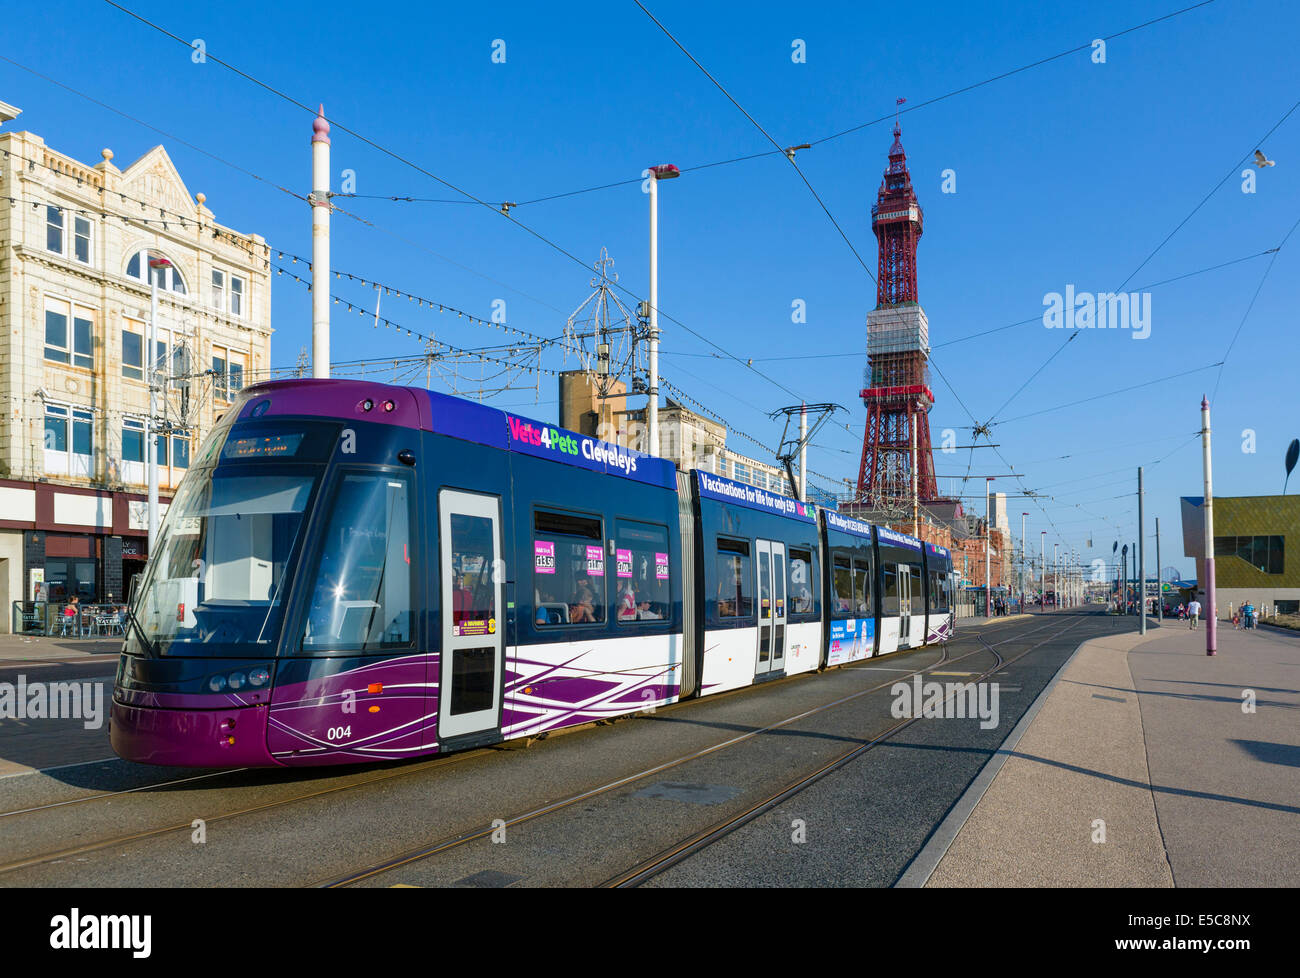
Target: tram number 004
338, 733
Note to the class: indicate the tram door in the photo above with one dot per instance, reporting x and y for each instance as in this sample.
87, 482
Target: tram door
473, 602
905, 606
770, 557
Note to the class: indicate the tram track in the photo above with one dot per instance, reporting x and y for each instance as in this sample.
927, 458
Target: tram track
457, 841
438, 763
648, 869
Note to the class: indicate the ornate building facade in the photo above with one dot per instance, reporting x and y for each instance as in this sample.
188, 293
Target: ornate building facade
81, 249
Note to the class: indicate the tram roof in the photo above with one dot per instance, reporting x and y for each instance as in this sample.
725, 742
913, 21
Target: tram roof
742, 494
415, 407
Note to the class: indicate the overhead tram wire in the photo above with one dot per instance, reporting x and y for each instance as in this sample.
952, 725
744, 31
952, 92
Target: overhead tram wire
985, 332
270, 183
864, 125
1251, 305
1232, 171
541, 237
778, 147
447, 183
790, 157
1121, 390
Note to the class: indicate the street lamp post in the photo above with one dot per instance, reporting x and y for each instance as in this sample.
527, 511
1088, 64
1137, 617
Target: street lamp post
988, 538
1056, 576
156, 267
1211, 637
1160, 587
320, 245
1022, 561
1142, 560
1042, 570
665, 171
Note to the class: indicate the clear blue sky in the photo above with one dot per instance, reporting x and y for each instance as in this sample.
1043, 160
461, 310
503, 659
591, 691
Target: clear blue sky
1068, 173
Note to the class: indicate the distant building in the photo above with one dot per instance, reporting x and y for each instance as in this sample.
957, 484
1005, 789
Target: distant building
76, 242
1251, 537
687, 438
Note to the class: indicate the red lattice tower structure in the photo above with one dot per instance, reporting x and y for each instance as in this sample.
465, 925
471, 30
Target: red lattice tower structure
896, 389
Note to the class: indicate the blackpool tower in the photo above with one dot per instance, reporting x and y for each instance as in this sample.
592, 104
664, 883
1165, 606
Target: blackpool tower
896, 384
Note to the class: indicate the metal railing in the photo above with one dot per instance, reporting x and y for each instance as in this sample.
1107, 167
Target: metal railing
61, 620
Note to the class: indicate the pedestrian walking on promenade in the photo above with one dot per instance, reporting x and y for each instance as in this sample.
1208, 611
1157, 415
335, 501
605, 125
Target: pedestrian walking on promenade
1193, 612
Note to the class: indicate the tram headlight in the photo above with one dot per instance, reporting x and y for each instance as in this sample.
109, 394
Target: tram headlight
217, 683
259, 677
236, 680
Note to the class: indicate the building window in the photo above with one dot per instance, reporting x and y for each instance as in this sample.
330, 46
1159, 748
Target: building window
132, 440
76, 347
1265, 553
236, 296
133, 350
167, 277
81, 239
219, 290
180, 449
228, 373
69, 440
54, 229
56, 332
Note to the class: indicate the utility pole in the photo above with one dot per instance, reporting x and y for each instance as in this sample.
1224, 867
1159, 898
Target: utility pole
803, 453
1142, 559
1211, 638
320, 246
1042, 569
664, 171
156, 266
1022, 561
988, 538
1160, 587
916, 519
1056, 576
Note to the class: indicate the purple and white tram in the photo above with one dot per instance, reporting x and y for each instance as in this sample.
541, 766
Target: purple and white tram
354, 572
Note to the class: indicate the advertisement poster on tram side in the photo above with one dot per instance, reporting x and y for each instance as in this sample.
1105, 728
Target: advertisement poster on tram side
851, 640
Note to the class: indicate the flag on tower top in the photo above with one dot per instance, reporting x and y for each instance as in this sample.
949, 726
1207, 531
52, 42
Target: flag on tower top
900, 101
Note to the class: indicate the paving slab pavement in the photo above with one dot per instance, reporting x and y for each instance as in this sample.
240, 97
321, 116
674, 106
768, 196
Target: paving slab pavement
1149, 736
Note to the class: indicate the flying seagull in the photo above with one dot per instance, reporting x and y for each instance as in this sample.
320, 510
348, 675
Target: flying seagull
1261, 160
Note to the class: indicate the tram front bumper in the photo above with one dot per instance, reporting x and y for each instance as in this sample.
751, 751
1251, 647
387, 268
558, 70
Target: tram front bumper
191, 738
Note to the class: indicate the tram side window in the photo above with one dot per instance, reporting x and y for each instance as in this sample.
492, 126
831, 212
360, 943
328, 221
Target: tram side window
568, 569
917, 607
889, 597
861, 588
641, 568
842, 579
735, 597
938, 591
362, 597
802, 586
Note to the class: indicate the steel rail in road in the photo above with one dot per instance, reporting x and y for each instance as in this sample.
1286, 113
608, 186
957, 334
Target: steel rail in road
420, 767
650, 868
455, 842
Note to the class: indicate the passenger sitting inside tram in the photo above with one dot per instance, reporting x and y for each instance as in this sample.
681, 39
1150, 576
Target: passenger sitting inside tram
583, 608
627, 603
643, 611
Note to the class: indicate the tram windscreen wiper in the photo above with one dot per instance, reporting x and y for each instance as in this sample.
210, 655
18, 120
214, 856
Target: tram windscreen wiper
144, 639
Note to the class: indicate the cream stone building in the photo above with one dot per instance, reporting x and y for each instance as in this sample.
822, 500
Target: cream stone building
81, 246
686, 437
